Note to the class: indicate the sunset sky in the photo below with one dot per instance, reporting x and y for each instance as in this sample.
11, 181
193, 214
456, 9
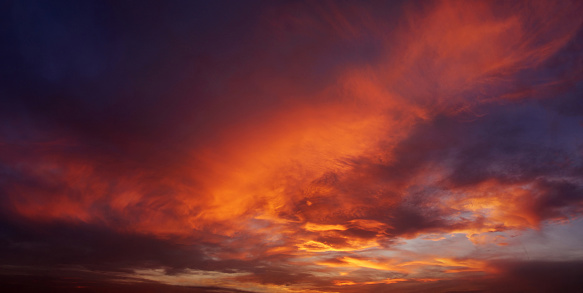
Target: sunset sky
291, 146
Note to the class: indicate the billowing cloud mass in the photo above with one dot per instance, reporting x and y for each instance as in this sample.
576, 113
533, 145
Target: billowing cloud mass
333, 146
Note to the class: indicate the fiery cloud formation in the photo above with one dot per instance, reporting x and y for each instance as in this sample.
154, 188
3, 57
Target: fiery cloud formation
292, 146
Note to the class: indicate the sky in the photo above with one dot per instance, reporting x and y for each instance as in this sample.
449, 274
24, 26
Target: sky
291, 146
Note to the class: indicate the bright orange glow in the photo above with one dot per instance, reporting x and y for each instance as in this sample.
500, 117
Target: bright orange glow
353, 180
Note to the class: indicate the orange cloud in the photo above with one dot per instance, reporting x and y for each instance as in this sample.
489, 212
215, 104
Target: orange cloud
328, 174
